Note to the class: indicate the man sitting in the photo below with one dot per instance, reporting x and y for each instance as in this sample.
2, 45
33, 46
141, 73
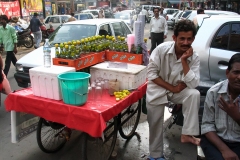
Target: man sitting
221, 116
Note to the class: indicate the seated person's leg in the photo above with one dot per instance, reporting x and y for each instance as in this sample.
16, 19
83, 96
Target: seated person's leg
190, 100
155, 117
209, 150
235, 147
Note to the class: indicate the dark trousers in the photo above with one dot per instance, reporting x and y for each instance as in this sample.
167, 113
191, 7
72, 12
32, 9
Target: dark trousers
212, 153
10, 57
156, 39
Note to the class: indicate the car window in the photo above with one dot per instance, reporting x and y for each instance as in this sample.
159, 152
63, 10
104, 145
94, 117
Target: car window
180, 14
126, 30
117, 28
54, 19
64, 19
83, 16
76, 16
235, 37
94, 13
69, 32
186, 13
175, 14
90, 16
105, 30
47, 20
221, 39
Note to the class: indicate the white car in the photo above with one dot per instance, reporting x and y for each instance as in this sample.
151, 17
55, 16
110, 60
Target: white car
169, 12
175, 18
216, 41
193, 13
95, 12
75, 30
82, 16
56, 20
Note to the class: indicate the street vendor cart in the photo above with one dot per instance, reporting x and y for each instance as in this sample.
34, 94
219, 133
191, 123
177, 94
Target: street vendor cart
98, 122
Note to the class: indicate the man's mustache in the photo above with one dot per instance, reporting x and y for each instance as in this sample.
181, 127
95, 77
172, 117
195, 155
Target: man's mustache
186, 46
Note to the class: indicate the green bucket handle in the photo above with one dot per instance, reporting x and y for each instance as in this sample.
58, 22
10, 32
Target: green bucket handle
72, 90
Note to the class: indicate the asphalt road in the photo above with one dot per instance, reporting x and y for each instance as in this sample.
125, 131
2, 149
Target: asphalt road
28, 149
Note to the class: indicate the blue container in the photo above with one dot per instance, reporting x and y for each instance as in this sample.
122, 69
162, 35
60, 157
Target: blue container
74, 87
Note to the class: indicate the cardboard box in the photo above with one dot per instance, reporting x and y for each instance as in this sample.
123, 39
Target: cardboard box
130, 78
44, 81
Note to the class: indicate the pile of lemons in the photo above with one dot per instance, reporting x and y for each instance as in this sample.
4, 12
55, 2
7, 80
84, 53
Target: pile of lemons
121, 94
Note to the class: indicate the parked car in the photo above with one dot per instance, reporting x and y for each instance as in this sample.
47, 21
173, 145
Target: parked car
175, 18
169, 12
56, 20
193, 13
216, 41
95, 12
108, 14
82, 16
126, 16
74, 30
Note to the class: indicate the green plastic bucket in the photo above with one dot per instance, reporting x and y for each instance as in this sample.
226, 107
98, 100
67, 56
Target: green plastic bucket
74, 87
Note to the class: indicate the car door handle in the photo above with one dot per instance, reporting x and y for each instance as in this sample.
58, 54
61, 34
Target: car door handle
224, 63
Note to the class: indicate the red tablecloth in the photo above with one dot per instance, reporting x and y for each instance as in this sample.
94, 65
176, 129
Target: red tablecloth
89, 118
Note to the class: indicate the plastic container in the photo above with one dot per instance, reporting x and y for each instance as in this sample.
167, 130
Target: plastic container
130, 78
74, 87
44, 81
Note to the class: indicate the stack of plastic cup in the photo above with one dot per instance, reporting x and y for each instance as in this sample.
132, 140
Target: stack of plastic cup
130, 41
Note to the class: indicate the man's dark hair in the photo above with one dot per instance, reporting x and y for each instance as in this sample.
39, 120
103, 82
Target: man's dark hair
72, 14
185, 26
235, 58
156, 8
4, 17
35, 14
199, 11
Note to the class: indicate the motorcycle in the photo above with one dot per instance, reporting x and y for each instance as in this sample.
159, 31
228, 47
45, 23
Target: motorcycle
46, 32
24, 35
25, 38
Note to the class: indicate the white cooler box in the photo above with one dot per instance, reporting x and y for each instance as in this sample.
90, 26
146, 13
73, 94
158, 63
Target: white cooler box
130, 78
44, 81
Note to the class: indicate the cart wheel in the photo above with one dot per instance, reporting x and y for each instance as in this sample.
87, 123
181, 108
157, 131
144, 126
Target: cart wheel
49, 137
95, 148
129, 120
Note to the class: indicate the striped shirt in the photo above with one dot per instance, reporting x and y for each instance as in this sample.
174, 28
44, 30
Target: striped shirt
217, 120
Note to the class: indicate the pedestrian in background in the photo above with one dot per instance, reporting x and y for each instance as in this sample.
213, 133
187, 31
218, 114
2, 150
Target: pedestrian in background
35, 25
158, 29
101, 14
8, 39
72, 18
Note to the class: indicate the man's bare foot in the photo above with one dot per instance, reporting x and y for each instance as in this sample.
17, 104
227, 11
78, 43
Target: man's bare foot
190, 139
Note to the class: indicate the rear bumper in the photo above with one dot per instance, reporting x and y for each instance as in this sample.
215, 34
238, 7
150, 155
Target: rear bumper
23, 80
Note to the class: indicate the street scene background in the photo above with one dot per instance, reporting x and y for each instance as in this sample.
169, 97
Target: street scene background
28, 149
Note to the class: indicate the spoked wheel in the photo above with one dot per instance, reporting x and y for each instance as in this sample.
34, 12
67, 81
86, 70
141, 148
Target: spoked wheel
49, 136
96, 148
28, 42
129, 120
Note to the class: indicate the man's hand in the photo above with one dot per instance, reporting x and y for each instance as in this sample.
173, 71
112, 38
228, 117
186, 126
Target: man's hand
229, 155
149, 37
165, 36
179, 87
229, 107
187, 54
15, 50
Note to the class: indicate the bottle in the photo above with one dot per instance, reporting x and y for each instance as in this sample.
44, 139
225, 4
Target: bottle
47, 54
